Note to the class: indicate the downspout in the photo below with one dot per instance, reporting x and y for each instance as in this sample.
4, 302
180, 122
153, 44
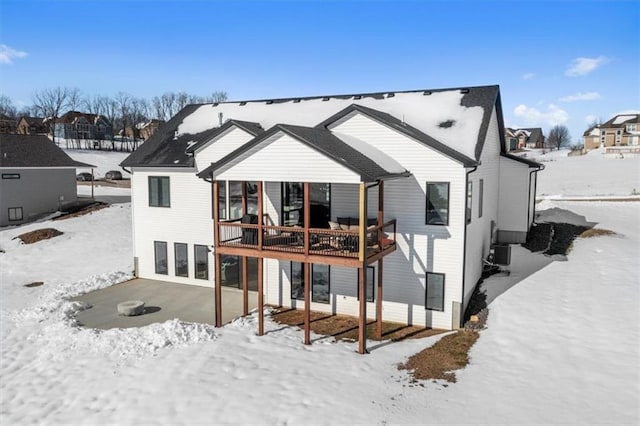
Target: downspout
464, 244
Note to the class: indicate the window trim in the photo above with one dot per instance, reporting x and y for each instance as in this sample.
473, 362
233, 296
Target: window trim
195, 262
175, 259
480, 197
370, 297
426, 291
11, 176
156, 244
427, 192
15, 210
159, 198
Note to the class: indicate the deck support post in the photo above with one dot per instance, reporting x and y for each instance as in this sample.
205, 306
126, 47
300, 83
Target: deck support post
245, 285
260, 298
379, 302
380, 267
362, 270
307, 302
215, 189
260, 264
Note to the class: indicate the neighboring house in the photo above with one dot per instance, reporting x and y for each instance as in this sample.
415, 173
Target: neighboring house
148, 128
524, 138
374, 205
37, 178
32, 126
621, 130
7, 124
79, 125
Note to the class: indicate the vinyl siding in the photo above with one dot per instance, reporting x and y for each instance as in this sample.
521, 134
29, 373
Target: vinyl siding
479, 230
285, 159
38, 191
224, 144
188, 220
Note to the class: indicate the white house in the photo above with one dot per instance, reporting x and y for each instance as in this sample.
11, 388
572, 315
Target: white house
403, 191
37, 178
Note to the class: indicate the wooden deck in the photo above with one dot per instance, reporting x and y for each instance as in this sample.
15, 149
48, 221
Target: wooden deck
341, 247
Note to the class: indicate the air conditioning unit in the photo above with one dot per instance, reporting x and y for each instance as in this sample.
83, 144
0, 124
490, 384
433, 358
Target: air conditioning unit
502, 254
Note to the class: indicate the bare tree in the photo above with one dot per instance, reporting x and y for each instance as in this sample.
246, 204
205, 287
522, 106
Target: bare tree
217, 96
50, 103
7, 108
558, 137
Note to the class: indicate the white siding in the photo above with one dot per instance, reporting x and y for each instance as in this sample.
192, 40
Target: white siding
421, 248
283, 158
479, 230
222, 145
188, 220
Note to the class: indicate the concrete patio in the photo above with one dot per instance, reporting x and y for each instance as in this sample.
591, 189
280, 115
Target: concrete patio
163, 301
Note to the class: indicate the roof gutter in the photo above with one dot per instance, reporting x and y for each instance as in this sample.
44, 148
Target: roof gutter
464, 244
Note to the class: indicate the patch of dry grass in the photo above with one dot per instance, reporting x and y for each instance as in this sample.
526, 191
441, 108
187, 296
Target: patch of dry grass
596, 232
38, 235
442, 359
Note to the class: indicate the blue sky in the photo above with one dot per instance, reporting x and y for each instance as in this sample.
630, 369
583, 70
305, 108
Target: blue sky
557, 62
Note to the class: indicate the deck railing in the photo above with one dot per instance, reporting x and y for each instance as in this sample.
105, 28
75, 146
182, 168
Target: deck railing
293, 239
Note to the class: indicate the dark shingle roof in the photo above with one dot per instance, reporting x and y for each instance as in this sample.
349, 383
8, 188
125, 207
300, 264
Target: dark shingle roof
323, 141
204, 137
632, 118
33, 151
403, 128
164, 149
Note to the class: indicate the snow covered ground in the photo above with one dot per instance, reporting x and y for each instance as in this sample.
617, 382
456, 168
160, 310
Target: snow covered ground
103, 160
562, 343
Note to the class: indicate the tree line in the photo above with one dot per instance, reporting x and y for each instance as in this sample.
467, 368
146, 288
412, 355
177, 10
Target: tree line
122, 109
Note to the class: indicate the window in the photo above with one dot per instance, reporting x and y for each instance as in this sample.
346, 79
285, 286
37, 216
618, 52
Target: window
469, 200
15, 213
231, 193
201, 262
11, 176
159, 191
319, 282
434, 298
231, 272
437, 203
293, 204
161, 257
631, 127
480, 197
370, 280
181, 258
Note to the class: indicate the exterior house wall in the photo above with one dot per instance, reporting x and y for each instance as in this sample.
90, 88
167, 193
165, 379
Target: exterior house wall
479, 230
37, 191
222, 145
420, 248
514, 197
187, 220
264, 162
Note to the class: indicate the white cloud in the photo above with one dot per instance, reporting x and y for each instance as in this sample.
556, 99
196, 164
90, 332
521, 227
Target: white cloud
7, 54
533, 116
528, 76
584, 66
589, 96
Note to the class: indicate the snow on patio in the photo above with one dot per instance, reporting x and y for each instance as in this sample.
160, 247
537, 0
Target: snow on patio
562, 345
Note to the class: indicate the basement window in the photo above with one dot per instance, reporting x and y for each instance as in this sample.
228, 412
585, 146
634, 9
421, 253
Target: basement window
434, 296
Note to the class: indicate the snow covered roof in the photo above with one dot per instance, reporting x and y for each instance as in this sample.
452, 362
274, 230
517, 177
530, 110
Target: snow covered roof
619, 119
33, 151
456, 118
360, 157
207, 135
